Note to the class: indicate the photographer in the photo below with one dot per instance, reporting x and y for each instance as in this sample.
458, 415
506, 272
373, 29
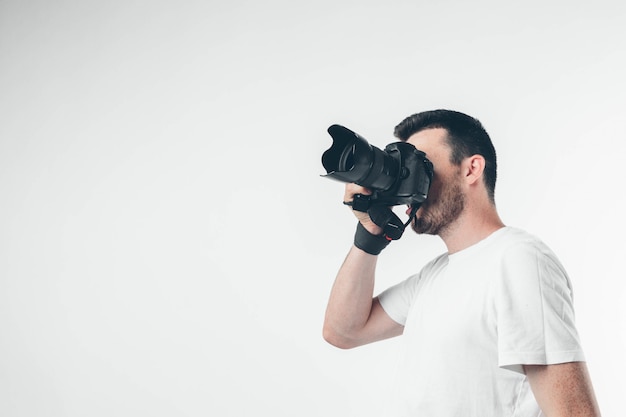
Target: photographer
488, 327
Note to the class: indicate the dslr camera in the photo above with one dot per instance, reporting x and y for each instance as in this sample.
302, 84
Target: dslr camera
398, 175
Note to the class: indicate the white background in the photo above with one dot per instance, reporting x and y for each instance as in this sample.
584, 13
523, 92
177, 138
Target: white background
166, 243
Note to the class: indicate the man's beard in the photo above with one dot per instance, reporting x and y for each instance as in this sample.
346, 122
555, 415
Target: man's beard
446, 208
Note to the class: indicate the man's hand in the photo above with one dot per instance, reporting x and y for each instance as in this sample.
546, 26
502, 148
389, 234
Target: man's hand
364, 218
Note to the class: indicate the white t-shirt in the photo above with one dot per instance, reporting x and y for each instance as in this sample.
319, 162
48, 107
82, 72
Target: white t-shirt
472, 319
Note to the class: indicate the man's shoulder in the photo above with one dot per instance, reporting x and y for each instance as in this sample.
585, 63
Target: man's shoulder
525, 251
516, 239
505, 245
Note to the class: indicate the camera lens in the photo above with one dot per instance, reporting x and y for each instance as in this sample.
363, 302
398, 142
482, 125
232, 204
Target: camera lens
346, 160
352, 159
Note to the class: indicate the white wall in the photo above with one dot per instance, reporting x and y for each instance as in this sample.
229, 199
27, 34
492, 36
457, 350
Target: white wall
166, 242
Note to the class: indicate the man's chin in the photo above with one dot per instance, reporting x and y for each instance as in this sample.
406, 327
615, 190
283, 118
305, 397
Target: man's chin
421, 228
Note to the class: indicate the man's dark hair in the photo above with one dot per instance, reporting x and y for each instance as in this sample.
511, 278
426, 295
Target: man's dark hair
466, 137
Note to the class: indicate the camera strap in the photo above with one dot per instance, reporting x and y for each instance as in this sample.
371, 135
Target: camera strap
390, 223
385, 218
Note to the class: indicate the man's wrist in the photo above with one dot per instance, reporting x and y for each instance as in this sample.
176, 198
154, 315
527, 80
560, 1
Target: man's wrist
369, 242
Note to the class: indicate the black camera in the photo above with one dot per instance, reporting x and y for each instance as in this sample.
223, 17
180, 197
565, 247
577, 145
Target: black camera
401, 174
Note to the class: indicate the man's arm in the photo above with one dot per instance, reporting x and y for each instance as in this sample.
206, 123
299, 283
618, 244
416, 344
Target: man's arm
563, 390
353, 316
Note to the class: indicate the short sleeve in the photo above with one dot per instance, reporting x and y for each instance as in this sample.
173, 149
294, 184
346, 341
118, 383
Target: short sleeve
534, 310
397, 300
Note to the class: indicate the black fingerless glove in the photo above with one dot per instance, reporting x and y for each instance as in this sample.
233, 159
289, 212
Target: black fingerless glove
367, 242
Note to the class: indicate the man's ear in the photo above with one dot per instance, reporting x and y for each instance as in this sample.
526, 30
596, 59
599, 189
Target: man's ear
474, 167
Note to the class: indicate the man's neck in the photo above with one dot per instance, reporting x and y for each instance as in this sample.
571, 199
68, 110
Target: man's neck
470, 228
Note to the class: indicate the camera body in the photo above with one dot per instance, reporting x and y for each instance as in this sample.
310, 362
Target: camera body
399, 175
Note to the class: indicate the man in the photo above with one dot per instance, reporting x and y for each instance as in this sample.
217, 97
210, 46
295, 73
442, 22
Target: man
488, 327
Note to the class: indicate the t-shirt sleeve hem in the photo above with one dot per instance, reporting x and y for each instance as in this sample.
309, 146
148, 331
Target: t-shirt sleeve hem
514, 361
394, 315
